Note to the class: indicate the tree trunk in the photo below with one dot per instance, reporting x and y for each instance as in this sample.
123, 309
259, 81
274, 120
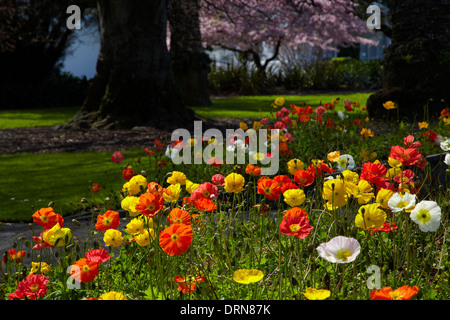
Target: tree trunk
417, 63
190, 63
134, 84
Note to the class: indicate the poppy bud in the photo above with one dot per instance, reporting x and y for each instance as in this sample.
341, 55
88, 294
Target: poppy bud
76, 222
84, 200
51, 204
310, 248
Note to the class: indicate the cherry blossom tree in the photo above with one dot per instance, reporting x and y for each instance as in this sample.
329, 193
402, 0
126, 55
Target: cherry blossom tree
244, 26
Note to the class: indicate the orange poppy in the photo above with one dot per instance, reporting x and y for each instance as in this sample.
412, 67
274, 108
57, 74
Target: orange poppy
269, 188
405, 292
150, 204
16, 255
95, 188
177, 215
154, 187
176, 239
294, 212
205, 204
303, 178
84, 270
253, 170
186, 285
46, 218
108, 220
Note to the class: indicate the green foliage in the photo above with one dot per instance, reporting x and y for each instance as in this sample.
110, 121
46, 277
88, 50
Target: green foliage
338, 73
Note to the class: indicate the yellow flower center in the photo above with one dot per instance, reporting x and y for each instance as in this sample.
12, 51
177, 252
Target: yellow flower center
294, 227
423, 215
151, 207
174, 237
86, 268
44, 219
343, 254
403, 204
107, 221
34, 287
395, 295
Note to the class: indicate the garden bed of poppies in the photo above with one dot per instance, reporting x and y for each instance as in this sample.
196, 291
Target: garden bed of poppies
348, 215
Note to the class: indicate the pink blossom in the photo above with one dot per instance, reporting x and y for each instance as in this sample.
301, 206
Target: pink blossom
117, 157
280, 125
218, 180
320, 110
264, 120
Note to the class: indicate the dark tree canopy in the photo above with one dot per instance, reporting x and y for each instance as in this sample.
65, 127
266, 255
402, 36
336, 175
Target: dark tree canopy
417, 63
33, 38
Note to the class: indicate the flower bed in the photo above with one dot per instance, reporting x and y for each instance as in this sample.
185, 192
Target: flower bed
345, 217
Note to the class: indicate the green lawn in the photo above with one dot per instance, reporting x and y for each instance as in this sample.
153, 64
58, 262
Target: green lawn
32, 181
260, 106
31, 118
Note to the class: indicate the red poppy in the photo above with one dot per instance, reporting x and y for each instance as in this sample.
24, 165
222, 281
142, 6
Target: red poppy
431, 135
46, 218
329, 106
288, 186
409, 142
34, 286
296, 225
95, 188
269, 188
205, 190
158, 144
304, 118
253, 170
405, 177
303, 178
387, 227
282, 180
161, 163
150, 204
205, 204
16, 255
108, 220
407, 156
330, 123
149, 152
374, 173
176, 239
84, 270
188, 203
215, 162
177, 215
403, 293
97, 255
284, 149
189, 284
127, 174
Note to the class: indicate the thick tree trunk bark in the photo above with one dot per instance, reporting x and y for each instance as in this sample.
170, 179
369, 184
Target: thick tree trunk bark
134, 84
417, 63
190, 63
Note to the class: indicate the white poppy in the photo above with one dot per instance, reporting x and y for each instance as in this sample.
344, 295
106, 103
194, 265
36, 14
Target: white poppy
447, 159
445, 144
340, 249
398, 202
345, 162
427, 214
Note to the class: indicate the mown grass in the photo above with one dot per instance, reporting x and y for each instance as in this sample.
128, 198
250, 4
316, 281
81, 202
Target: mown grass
260, 106
32, 181
32, 118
